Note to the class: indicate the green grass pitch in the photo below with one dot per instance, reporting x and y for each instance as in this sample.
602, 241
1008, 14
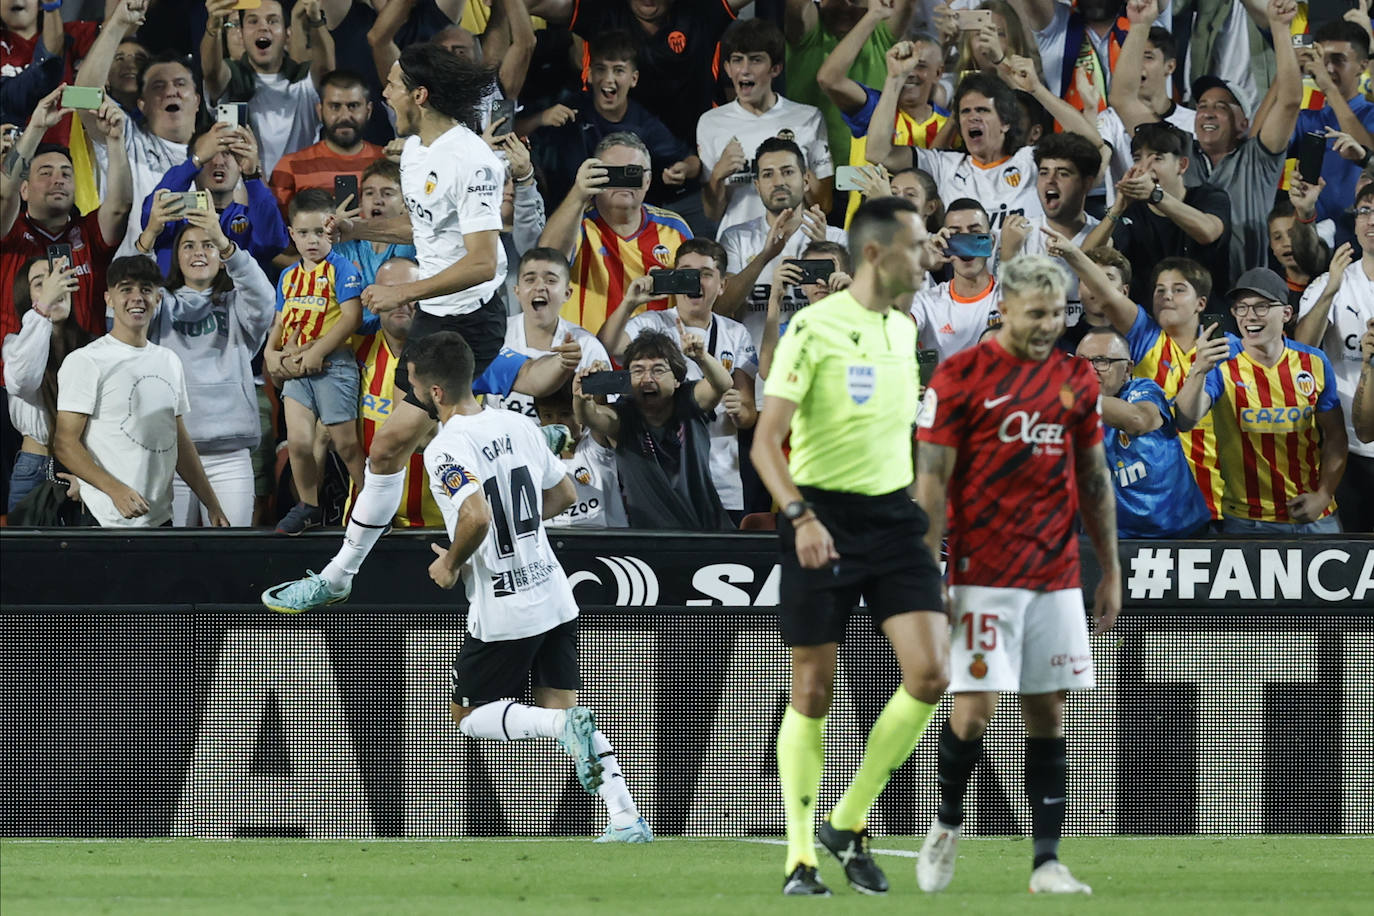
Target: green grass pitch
1155, 876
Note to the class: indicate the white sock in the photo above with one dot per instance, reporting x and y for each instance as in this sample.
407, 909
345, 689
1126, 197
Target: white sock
506, 720
373, 510
613, 791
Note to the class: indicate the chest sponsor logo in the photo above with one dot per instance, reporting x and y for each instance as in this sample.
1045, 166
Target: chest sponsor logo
1305, 384
483, 182
861, 380
1026, 428
1275, 419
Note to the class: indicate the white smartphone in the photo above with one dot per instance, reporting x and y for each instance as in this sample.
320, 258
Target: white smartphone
229, 114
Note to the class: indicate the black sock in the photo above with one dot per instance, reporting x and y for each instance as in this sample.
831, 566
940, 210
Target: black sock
1047, 780
957, 759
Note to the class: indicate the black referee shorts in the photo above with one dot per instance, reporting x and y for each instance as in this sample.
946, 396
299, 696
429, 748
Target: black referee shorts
501, 670
484, 330
883, 560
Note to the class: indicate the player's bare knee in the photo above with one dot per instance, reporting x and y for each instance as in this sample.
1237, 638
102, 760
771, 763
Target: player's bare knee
927, 686
387, 456
1043, 714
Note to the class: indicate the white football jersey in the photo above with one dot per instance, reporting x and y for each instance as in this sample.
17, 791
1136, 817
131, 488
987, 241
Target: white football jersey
802, 124
453, 187
949, 323
742, 242
728, 341
1113, 131
592, 350
1035, 244
515, 586
593, 471
1005, 187
1352, 308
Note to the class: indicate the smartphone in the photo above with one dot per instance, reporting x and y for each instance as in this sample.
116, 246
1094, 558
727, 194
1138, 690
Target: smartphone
814, 270
503, 108
1311, 155
83, 98
59, 251
849, 178
346, 186
1302, 41
193, 200
623, 176
685, 282
973, 20
248, 5
926, 361
969, 245
616, 382
1220, 319
230, 113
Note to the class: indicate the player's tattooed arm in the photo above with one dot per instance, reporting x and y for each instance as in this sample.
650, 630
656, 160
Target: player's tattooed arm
1097, 506
934, 466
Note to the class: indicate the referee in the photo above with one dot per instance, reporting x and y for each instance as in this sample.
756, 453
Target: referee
844, 383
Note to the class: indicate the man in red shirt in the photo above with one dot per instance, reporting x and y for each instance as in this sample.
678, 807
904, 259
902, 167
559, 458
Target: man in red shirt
344, 111
1011, 430
41, 175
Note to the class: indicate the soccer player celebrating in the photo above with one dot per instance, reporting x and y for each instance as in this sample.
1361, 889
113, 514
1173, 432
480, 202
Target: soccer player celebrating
452, 183
845, 383
495, 480
1010, 430
1280, 429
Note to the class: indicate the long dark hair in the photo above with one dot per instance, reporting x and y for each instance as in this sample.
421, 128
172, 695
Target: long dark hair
176, 280
71, 336
456, 86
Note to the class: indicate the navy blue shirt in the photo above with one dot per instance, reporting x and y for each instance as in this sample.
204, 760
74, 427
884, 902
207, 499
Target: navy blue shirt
1156, 494
257, 228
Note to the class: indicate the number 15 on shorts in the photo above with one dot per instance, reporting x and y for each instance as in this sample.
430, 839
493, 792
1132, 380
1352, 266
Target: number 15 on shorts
980, 631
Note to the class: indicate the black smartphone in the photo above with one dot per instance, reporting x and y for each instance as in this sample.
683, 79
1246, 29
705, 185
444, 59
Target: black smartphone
503, 108
616, 382
1311, 155
969, 245
346, 186
814, 270
685, 282
926, 361
59, 251
1221, 319
623, 176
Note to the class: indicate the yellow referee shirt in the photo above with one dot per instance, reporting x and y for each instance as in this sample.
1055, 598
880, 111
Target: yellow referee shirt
852, 373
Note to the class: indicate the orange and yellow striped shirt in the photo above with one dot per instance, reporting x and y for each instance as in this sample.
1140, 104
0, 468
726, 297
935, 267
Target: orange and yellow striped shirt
308, 300
607, 263
378, 365
1267, 430
1164, 362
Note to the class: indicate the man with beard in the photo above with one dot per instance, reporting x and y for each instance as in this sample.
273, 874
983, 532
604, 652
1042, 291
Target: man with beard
225, 154
661, 431
344, 108
282, 102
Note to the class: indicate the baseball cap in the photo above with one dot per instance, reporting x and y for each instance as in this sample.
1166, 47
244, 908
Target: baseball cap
1263, 281
1208, 81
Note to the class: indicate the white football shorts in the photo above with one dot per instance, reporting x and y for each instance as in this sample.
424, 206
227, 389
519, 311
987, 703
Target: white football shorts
1015, 640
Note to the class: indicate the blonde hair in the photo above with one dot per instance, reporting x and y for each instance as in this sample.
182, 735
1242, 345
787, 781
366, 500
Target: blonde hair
1019, 41
1031, 274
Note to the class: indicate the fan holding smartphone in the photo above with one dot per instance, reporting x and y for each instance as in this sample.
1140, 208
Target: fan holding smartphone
952, 316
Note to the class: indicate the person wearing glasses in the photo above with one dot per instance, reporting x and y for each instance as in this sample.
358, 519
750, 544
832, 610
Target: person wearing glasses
1156, 494
1280, 429
661, 431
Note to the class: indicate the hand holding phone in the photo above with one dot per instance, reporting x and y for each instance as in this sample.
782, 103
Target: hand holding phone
502, 117
606, 383
346, 187
1311, 155
973, 20
969, 245
813, 270
83, 98
685, 282
624, 176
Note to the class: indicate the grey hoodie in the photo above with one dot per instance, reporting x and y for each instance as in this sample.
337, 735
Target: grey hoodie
216, 338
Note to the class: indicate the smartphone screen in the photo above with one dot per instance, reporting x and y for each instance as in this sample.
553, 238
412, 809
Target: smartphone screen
969, 245
1311, 155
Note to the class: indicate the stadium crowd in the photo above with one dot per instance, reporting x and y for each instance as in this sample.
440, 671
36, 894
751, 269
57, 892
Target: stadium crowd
206, 297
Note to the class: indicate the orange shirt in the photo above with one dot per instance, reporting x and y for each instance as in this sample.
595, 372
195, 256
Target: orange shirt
315, 167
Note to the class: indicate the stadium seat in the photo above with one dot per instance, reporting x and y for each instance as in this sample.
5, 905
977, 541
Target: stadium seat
759, 521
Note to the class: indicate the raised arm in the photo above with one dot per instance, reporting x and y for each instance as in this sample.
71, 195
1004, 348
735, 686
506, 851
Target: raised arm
738, 286
798, 18
564, 227
1020, 73
1134, 419
833, 76
1124, 95
1312, 325
46, 115
1193, 401
113, 214
126, 17
901, 60
612, 332
515, 57
382, 35
1097, 509
715, 380
1278, 124
1121, 311
213, 66
1036, 14
599, 418
310, 36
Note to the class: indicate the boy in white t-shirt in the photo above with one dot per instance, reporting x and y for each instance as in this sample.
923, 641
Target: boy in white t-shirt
953, 316
752, 51
120, 404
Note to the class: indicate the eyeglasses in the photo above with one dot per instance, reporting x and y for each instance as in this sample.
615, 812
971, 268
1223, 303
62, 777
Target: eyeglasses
1105, 362
1258, 309
656, 372
1365, 212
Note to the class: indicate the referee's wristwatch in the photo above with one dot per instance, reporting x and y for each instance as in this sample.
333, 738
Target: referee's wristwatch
794, 510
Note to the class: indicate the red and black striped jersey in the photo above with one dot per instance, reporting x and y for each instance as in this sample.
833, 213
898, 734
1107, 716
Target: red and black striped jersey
1016, 424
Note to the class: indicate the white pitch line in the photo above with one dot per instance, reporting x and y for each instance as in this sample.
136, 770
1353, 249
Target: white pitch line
904, 853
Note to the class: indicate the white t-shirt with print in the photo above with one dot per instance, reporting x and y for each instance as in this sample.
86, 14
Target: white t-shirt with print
592, 350
515, 586
949, 323
1035, 244
133, 396
150, 157
453, 187
599, 504
800, 123
1005, 187
1346, 323
728, 341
